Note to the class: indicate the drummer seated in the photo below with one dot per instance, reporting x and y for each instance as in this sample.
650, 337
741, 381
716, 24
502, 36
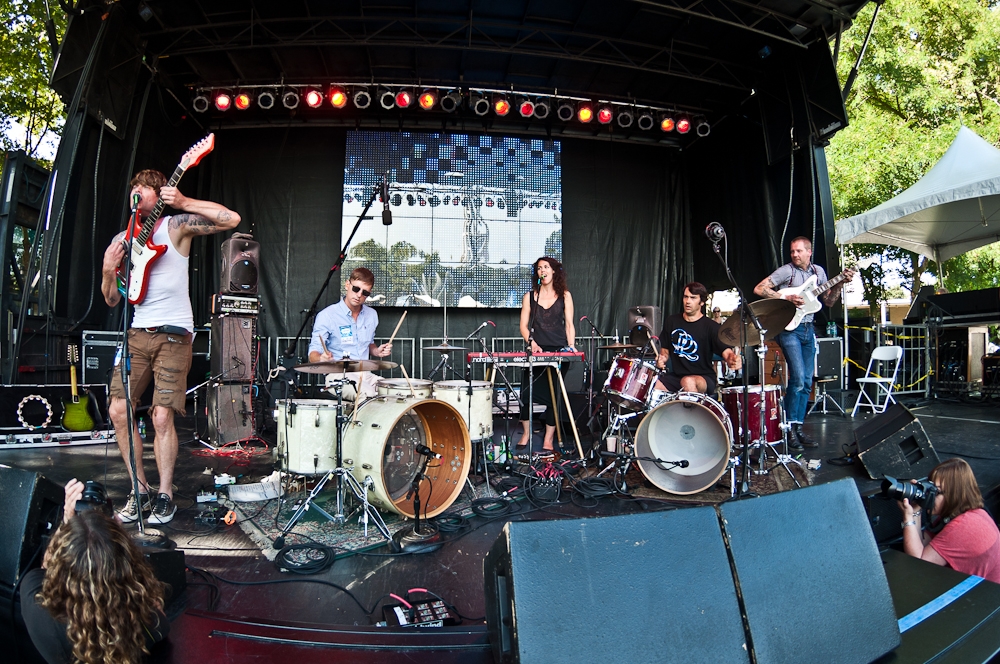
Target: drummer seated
703, 383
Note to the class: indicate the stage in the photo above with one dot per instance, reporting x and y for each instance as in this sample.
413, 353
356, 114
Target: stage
238, 607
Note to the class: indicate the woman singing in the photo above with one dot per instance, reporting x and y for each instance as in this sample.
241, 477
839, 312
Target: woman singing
547, 325
969, 542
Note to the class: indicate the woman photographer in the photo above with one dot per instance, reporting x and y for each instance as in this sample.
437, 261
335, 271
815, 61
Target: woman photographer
95, 599
969, 541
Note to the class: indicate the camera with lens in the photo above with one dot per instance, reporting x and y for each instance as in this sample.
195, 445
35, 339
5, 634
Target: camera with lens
94, 498
922, 492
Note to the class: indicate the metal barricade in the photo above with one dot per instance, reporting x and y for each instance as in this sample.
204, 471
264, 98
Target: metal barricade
914, 375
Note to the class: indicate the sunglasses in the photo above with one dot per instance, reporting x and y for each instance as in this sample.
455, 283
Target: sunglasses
366, 293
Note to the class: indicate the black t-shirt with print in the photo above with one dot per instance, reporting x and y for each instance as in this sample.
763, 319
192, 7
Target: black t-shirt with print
691, 344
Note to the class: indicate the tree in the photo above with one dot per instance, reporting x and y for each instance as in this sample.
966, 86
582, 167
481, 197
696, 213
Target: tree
931, 66
26, 62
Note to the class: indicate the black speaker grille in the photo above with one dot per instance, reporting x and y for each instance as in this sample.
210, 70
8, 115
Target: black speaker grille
243, 276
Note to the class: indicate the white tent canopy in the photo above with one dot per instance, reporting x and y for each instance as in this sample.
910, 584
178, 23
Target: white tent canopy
953, 209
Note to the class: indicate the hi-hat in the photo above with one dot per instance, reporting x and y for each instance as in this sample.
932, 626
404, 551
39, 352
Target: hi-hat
773, 315
340, 366
444, 348
618, 346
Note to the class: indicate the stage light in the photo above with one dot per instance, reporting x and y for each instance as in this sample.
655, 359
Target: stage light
290, 99
501, 106
427, 99
625, 118
387, 99
646, 121
313, 98
565, 110
362, 99
337, 96
241, 101
667, 123
200, 103
404, 98
605, 114
266, 99
683, 124
223, 101
451, 101
702, 128
479, 104
525, 107
585, 112
542, 108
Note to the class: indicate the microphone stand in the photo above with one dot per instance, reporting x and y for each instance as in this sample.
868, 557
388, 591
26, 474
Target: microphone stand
529, 353
589, 368
413, 539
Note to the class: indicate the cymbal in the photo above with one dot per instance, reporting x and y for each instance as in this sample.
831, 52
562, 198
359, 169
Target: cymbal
618, 346
444, 348
773, 315
341, 366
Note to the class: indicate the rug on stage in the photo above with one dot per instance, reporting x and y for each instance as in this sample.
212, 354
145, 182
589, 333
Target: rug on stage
263, 521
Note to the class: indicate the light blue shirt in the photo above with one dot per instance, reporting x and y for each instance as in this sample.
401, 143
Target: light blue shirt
344, 336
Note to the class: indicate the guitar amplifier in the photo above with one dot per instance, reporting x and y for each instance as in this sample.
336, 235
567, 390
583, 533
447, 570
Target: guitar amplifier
98, 357
234, 347
230, 412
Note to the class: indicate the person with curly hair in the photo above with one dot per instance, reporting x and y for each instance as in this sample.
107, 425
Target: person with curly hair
95, 599
967, 538
547, 325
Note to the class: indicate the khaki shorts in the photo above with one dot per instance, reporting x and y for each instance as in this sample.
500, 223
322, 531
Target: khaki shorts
164, 357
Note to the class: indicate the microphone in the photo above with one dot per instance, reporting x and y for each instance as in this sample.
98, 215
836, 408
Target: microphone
715, 232
484, 324
386, 212
426, 451
136, 199
774, 369
685, 463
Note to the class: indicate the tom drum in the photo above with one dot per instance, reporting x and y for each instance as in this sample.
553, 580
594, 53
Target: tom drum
629, 382
307, 434
399, 387
748, 428
477, 410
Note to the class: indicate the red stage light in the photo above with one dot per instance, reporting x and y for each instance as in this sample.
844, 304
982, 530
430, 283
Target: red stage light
242, 101
338, 97
313, 98
667, 124
427, 100
223, 101
683, 126
605, 114
585, 113
404, 99
526, 109
501, 106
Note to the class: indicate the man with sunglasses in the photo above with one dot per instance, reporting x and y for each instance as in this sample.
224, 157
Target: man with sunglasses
347, 330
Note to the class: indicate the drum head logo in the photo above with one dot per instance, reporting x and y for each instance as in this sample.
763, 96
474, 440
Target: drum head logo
684, 344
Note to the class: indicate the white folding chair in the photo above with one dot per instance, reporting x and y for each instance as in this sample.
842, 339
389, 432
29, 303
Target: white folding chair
879, 365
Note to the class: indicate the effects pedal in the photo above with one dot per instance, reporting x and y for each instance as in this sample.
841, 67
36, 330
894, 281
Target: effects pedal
431, 613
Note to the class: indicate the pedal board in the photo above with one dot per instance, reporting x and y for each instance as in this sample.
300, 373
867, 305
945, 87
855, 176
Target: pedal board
421, 614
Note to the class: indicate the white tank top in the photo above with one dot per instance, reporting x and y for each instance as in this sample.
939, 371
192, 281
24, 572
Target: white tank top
167, 301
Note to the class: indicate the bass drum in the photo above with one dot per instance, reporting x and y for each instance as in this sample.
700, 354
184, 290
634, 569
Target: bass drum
693, 427
381, 443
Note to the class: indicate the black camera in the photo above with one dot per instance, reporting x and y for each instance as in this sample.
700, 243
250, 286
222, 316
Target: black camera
94, 498
923, 492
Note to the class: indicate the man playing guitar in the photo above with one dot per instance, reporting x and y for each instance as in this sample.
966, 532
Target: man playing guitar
161, 330
799, 344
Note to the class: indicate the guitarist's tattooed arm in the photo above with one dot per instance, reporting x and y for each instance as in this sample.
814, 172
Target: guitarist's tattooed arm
201, 218
109, 279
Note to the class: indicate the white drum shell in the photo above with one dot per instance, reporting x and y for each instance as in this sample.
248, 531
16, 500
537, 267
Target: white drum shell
422, 388
456, 392
307, 439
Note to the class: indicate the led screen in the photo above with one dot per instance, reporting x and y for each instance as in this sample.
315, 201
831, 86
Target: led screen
470, 215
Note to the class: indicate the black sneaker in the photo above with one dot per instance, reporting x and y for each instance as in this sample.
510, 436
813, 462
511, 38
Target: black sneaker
163, 509
129, 513
804, 439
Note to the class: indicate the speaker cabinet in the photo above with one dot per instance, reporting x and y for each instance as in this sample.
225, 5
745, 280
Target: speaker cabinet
30, 509
240, 260
233, 347
829, 357
895, 443
230, 412
643, 318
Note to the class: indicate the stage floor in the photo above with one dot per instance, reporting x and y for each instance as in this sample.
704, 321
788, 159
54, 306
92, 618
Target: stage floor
284, 613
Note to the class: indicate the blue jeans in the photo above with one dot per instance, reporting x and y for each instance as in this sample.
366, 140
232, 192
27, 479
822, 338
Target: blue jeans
799, 348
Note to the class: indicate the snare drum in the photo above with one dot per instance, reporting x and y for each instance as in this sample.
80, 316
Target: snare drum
456, 392
629, 382
748, 428
694, 428
381, 442
398, 387
307, 438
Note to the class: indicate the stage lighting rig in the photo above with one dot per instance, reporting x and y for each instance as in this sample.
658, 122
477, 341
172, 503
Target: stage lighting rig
525, 107
646, 121
667, 123
362, 98
479, 104
265, 100
427, 100
501, 106
542, 108
404, 98
565, 110
585, 112
702, 128
625, 117
387, 99
290, 100
241, 101
605, 114
451, 101
683, 124
223, 101
200, 103
313, 98
337, 96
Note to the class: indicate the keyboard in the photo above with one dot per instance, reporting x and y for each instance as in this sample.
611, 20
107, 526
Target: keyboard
520, 359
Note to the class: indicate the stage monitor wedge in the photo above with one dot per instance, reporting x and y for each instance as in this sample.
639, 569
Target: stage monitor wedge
30, 508
895, 443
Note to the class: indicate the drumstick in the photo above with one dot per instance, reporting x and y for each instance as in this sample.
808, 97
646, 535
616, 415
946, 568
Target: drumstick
397, 327
322, 342
406, 375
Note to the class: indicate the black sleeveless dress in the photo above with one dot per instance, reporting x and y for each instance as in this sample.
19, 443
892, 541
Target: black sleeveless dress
549, 332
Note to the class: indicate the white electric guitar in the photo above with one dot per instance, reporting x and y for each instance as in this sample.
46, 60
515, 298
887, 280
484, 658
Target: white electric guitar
810, 293
143, 252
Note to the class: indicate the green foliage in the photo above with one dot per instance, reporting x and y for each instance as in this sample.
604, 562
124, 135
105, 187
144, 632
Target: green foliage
931, 66
979, 268
26, 62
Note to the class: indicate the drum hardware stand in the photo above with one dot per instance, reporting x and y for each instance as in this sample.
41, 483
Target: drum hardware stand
414, 539
344, 480
194, 390
588, 368
782, 459
619, 423
508, 391
628, 458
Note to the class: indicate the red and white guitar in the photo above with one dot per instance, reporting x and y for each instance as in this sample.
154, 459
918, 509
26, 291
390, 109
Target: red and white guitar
810, 292
143, 252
